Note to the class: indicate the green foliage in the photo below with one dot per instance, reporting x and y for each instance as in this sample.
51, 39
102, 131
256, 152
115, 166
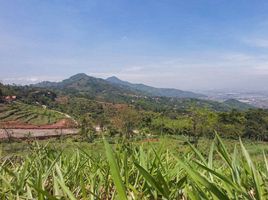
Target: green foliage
256, 124
130, 171
121, 111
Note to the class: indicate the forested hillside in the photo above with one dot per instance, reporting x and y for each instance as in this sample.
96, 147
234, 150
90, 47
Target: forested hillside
95, 103
152, 91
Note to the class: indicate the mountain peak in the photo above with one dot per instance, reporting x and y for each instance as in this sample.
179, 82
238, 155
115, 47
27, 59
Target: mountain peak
113, 78
79, 75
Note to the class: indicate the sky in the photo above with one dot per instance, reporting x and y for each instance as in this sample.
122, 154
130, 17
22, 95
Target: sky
184, 44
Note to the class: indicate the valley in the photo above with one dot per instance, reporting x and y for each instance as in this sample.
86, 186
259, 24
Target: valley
257, 99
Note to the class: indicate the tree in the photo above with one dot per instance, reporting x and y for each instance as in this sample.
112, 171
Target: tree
256, 124
126, 120
231, 124
203, 122
86, 130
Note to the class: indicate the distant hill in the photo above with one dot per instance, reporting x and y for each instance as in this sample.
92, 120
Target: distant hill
235, 104
112, 86
152, 91
114, 90
82, 84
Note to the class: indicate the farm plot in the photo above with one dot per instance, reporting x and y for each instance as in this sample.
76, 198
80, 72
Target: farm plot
20, 113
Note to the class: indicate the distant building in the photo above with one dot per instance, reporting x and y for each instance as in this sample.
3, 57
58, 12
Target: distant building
10, 98
7, 98
98, 129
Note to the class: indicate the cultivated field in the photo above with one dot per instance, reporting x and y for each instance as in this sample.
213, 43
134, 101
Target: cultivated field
159, 168
23, 116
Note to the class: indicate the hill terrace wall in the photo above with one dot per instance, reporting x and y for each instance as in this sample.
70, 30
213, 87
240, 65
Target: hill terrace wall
35, 133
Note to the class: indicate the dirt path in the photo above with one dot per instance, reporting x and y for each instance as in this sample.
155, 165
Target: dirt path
61, 124
35, 133
68, 116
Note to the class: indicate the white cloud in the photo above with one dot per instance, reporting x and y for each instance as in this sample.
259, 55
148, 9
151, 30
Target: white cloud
29, 79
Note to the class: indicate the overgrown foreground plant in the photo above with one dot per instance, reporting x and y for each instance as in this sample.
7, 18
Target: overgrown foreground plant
131, 172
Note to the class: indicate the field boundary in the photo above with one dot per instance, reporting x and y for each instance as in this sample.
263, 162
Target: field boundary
35, 133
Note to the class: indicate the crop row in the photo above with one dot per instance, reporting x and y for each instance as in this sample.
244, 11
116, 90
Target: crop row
29, 114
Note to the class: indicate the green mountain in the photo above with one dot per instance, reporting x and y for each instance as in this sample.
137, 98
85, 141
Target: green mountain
114, 90
112, 86
84, 85
235, 104
152, 91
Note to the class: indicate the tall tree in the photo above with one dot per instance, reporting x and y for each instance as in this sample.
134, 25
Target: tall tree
203, 122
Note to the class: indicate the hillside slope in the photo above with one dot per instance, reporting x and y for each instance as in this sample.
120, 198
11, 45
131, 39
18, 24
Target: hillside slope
21, 115
152, 91
235, 104
115, 90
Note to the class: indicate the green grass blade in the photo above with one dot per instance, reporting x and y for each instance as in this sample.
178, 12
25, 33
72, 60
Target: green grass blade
152, 181
66, 189
203, 182
115, 172
256, 176
223, 151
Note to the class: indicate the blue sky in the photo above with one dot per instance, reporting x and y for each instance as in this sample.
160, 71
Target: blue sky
190, 44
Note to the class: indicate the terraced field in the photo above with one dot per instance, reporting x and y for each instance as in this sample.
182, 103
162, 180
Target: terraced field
23, 114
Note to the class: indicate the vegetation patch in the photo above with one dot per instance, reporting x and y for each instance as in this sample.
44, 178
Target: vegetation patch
130, 171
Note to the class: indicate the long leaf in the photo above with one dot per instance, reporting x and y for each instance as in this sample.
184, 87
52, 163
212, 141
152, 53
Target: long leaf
115, 172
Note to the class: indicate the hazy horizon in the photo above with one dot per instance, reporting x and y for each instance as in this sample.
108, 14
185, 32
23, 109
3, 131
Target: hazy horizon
188, 45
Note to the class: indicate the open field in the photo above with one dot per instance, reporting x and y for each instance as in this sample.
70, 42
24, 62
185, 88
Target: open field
141, 168
174, 144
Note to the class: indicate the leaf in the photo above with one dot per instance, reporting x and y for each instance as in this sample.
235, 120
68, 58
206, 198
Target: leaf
201, 181
45, 193
151, 180
66, 189
198, 153
256, 176
115, 172
223, 151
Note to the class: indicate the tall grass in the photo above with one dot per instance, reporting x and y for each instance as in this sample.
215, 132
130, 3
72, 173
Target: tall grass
126, 171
